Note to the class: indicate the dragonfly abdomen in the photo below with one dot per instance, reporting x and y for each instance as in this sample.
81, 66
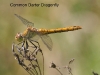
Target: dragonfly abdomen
58, 30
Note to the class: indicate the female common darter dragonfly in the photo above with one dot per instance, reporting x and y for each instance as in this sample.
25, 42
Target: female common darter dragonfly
31, 33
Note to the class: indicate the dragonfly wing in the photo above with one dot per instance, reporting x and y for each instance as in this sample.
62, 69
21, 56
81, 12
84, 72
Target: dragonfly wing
24, 21
45, 38
35, 38
47, 41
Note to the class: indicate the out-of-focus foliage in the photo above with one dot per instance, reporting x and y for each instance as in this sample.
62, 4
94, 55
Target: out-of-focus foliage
83, 45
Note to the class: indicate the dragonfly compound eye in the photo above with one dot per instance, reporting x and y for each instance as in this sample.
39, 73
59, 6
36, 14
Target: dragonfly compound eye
19, 37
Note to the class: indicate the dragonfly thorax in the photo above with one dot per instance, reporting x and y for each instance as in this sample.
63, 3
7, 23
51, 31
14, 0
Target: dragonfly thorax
19, 37
29, 33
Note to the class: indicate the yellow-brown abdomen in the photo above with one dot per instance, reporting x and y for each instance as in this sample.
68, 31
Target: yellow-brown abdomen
58, 30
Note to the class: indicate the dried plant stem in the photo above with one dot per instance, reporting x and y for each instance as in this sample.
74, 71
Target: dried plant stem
58, 71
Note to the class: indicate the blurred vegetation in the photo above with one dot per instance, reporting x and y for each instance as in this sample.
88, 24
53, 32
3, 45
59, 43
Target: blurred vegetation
83, 45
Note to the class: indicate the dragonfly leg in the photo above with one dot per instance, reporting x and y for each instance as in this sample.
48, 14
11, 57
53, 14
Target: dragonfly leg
35, 42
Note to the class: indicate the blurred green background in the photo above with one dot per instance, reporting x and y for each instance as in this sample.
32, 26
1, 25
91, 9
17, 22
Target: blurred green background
83, 45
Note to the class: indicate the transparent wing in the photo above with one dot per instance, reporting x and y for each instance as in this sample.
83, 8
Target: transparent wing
47, 41
45, 38
35, 38
26, 22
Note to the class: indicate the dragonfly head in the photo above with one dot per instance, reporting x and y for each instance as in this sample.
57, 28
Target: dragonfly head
19, 37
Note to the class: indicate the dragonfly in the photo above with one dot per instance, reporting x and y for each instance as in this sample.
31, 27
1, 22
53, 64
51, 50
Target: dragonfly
32, 33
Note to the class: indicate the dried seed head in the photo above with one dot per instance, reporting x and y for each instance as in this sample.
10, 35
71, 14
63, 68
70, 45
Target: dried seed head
52, 65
